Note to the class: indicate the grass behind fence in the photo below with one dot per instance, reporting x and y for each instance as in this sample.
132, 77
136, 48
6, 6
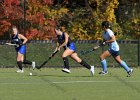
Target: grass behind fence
39, 52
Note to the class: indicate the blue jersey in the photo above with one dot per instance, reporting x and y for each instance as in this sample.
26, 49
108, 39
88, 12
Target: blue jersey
61, 39
70, 44
16, 40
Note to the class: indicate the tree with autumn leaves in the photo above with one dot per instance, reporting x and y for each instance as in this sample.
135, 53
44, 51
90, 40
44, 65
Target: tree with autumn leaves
82, 18
37, 23
9, 14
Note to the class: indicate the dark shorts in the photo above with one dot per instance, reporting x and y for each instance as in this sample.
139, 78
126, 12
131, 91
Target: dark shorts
114, 53
21, 49
72, 47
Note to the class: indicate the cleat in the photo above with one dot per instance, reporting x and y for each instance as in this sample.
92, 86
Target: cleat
20, 71
92, 70
103, 72
130, 72
33, 65
65, 70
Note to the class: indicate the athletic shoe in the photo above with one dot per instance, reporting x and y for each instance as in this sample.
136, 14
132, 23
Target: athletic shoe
20, 71
130, 72
92, 70
33, 65
103, 72
66, 70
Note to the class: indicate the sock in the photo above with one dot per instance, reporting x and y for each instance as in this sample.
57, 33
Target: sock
27, 62
19, 63
104, 65
66, 62
83, 63
124, 65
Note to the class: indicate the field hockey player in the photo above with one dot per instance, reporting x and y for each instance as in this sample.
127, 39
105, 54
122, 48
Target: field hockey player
65, 42
20, 48
109, 38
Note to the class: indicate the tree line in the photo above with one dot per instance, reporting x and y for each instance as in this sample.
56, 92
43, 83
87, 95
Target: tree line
82, 18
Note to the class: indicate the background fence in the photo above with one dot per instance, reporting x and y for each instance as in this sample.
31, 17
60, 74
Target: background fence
39, 51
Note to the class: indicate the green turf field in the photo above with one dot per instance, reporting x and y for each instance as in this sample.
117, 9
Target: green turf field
52, 84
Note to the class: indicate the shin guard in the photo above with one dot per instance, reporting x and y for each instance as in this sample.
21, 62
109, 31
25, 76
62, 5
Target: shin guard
19, 63
66, 62
27, 62
83, 63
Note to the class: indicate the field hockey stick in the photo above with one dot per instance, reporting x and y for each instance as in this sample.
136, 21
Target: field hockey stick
91, 50
50, 57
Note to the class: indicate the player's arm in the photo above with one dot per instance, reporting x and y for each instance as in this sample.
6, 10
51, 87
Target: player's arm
57, 47
112, 39
23, 37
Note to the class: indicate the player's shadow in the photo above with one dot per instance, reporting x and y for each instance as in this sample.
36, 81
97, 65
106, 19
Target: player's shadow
66, 76
60, 75
50, 75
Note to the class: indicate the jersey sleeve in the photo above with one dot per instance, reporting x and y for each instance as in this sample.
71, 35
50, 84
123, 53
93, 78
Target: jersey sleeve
110, 33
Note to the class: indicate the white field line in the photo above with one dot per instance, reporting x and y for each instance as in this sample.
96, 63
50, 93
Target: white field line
67, 82
63, 82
